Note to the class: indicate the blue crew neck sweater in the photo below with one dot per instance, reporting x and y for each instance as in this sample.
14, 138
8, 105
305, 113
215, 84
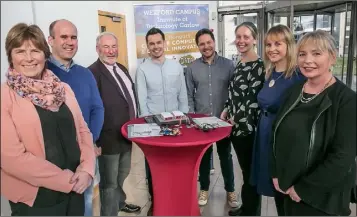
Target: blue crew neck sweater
85, 88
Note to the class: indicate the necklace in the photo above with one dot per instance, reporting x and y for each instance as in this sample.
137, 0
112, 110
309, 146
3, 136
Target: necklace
272, 81
308, 99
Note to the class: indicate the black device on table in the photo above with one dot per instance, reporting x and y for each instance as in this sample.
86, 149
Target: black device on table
149, 119
159, 121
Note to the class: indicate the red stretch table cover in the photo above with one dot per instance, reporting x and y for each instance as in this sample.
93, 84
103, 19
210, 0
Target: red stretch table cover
174, 162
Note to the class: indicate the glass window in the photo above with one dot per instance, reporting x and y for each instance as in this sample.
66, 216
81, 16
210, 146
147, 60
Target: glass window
230, 23
277, 19
339, 29
230, 50
307, 23
323, 22
354, 77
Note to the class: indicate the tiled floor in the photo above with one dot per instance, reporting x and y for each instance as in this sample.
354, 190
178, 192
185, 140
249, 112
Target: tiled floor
135, 186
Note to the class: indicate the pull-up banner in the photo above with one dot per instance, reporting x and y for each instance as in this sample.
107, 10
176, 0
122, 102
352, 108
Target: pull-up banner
179, 23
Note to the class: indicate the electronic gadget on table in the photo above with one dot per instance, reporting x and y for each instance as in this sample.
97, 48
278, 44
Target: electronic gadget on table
149, 119
170, 118
207, 124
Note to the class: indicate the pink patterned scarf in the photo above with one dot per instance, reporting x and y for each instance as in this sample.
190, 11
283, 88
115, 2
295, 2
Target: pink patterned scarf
47, 92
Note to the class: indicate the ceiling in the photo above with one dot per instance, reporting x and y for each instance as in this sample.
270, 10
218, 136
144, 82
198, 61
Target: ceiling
306, 7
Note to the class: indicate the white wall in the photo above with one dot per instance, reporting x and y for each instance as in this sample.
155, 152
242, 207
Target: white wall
85, 16
12, 12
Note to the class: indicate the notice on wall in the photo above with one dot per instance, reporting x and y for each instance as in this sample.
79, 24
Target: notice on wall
179, 23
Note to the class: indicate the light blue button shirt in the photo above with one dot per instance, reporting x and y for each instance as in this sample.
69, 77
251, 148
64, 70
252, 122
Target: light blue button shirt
60, 65
161, 87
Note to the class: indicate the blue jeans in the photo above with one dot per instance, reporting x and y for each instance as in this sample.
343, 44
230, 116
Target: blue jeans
88, 193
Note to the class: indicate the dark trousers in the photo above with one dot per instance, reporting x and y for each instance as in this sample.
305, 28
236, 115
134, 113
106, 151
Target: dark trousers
293, 208
251, 201
225, 157
149, 178
113, 170
71, 204
279, 203
211, 159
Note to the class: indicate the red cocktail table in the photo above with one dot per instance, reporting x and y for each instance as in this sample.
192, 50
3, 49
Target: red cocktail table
174, 162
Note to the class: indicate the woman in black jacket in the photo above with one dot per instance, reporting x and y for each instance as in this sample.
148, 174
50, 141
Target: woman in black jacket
314, 141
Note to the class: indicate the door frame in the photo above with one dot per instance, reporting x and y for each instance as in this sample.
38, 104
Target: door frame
120, 18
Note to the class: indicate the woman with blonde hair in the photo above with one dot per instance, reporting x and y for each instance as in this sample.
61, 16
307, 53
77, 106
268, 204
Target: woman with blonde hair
314, 135
47, 154
281, 73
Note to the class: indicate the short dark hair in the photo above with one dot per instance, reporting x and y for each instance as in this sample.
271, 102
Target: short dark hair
154, 31
203, 32
22, 32
52, 25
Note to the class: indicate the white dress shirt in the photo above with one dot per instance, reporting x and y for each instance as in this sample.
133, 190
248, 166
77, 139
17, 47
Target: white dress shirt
126, 80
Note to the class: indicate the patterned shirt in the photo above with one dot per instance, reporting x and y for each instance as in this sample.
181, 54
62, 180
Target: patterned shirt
242, 103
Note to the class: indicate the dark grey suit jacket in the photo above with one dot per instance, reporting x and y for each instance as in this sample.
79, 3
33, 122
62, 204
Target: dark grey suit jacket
116, 109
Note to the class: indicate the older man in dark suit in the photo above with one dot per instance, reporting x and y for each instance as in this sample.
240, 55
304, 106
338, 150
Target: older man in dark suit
118, 95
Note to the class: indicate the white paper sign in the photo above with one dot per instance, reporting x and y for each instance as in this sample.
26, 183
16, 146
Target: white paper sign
143, 130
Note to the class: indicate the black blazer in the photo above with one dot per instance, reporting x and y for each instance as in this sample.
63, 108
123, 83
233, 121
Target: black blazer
116, 109
329, 173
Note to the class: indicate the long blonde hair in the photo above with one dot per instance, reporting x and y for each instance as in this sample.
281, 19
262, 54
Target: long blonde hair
291, 57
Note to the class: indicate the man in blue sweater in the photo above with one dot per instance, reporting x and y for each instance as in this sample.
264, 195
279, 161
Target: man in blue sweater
64, 42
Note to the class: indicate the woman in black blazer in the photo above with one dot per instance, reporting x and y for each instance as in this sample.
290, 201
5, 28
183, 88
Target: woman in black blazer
314, 135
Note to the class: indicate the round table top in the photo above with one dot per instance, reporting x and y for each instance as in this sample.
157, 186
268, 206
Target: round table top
189, 136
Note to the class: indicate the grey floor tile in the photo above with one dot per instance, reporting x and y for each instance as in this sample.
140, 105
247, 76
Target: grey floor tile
137, 154
142, 184
134, 179
138, 197
217, 203
138, 169
145, 209
271, 208
238, 181
353, 208
5, 207
126, 214
264, 206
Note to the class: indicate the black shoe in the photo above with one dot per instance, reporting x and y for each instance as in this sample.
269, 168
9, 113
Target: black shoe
150, 211
236, 212
130, 208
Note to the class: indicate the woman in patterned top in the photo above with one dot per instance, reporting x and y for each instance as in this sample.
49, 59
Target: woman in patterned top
281, 73
242, 111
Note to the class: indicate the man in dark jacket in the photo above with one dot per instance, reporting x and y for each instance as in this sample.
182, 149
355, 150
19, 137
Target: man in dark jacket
117, 91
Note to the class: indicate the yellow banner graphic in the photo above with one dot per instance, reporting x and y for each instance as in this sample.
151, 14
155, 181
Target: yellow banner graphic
177, 43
